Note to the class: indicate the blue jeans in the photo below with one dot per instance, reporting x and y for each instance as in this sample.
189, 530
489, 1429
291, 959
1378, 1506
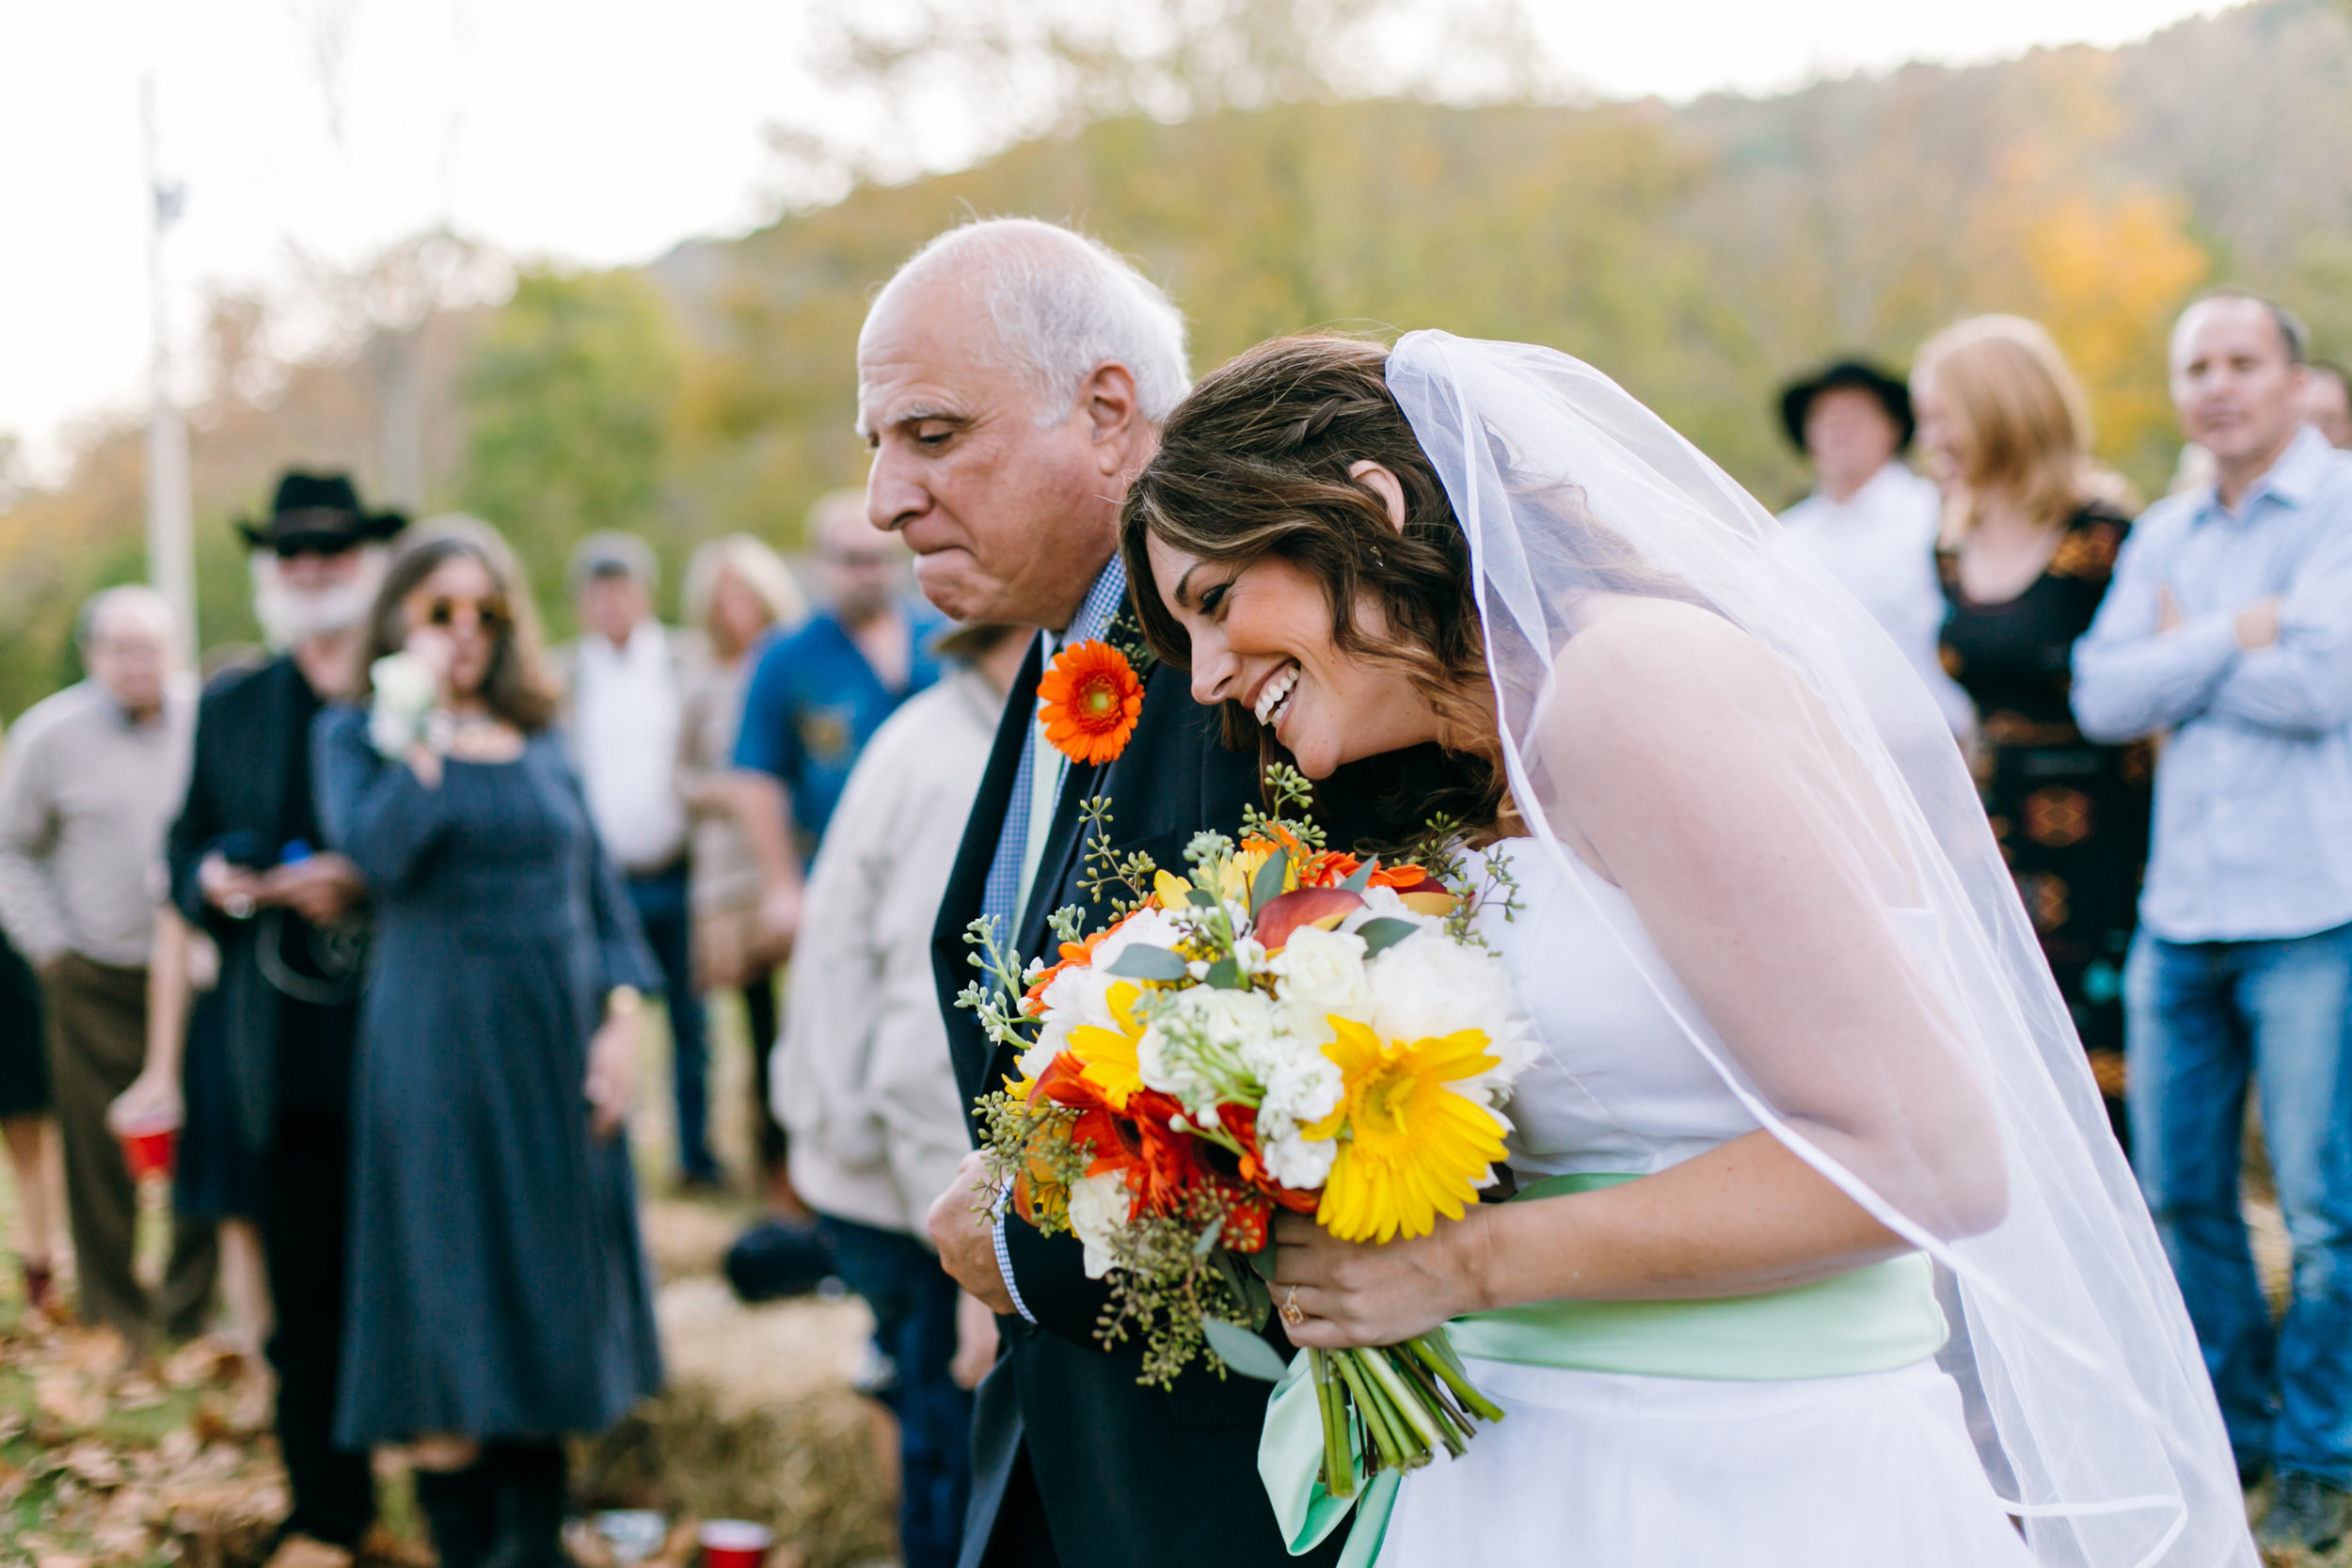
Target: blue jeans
2206, 1018
662, 908
915, 1325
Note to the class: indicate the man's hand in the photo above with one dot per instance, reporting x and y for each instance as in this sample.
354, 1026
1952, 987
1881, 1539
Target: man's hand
960, 1228
322, 889
230, 889
2258, 626
611, 1074
2168, 616
779, 920
976, 1342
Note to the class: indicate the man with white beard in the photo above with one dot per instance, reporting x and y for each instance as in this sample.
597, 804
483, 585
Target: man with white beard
289, 919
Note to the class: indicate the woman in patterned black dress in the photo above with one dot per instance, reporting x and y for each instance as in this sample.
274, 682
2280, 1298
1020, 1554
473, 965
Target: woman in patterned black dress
2031, 532
498, 1297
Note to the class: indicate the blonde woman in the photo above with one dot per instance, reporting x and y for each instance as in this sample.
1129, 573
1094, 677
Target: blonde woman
739, 593
2031, 528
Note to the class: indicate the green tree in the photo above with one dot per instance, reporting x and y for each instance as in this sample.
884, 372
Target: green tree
569, 397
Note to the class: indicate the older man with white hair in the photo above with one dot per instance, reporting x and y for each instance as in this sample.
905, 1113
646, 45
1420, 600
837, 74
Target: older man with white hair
93, 774
269, 1079
1013, 378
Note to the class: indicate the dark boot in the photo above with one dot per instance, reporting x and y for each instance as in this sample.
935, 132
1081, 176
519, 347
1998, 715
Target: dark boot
531, 1498
461, 1507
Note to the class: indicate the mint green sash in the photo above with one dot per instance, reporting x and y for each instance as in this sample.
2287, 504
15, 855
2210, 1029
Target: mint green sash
1872, 1320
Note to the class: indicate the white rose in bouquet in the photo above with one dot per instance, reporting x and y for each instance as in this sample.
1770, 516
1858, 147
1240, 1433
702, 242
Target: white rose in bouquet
1320, 972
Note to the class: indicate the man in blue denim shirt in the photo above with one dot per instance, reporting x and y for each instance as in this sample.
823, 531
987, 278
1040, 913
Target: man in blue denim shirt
2229, 627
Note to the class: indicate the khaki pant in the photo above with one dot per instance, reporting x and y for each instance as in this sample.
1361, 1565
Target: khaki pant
97, 1017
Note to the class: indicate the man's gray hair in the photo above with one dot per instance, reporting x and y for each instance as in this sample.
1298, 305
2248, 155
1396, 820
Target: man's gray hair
130, 599
612, 554
1063, 304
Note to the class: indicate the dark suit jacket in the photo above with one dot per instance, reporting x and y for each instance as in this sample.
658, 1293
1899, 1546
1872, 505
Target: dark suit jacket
250, 729
1126, 1475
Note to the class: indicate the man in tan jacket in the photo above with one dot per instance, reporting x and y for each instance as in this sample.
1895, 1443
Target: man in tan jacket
862, 1080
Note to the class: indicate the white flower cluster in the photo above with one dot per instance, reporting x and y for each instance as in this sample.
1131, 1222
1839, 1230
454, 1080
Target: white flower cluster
405, 690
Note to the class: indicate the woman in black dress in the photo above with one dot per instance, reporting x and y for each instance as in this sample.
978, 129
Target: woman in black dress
498, 1295
2031, 532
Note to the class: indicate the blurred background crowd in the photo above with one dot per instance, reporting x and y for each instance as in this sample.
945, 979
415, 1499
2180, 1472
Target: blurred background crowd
354, 997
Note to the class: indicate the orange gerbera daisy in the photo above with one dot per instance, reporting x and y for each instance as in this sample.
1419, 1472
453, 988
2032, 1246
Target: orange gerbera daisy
1091, 698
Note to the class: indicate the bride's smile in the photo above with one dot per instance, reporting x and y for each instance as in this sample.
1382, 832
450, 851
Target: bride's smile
1262, 637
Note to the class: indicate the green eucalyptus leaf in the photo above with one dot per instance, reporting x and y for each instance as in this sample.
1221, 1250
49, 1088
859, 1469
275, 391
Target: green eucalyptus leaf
1360, 877
1380, 935
1143, 961
1242, 1350
1267, 884
1226, 974
1201, 898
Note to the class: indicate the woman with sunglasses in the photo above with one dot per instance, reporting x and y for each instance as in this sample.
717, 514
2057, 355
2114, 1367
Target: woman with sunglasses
498, 1294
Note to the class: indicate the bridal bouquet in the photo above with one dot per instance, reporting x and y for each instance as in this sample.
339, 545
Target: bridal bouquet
1285, 1026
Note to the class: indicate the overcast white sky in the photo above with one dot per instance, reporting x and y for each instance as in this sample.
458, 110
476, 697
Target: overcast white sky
593, 131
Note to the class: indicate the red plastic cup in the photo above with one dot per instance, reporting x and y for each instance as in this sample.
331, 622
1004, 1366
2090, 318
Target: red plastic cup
148, 1151
734, 1543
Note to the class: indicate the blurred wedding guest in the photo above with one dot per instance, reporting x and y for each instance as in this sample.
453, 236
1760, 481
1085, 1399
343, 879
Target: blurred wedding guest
93, 775
1870, 522
2229, 629
2327, 404
2031, 528
497, 1294
269, 1048
25, 1122
624, 680
862, 1079
182, 1085
739, 593
817, 696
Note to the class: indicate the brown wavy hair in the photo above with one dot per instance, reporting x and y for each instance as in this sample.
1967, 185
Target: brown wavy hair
518, 687
1253, 464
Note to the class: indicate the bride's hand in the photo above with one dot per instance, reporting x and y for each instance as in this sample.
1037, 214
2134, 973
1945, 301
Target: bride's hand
1374, 1293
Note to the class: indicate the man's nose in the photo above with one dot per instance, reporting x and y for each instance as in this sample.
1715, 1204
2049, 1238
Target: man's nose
892, 498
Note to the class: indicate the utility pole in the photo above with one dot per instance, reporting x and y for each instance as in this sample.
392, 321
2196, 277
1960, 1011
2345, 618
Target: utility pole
171, 520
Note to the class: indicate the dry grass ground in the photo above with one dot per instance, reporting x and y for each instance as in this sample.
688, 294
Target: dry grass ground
107, 1459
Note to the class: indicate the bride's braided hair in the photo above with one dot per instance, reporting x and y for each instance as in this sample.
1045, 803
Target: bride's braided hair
1254, 464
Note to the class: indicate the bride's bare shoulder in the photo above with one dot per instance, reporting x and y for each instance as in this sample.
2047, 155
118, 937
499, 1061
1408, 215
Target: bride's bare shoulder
1632, 655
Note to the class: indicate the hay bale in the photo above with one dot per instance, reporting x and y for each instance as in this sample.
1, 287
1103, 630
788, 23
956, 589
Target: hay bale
807, 1468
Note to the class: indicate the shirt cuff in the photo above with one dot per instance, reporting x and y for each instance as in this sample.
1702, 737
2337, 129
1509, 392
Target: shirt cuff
1004, 1259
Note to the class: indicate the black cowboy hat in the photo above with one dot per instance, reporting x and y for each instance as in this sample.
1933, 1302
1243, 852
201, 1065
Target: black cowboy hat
1796, 399
321, 513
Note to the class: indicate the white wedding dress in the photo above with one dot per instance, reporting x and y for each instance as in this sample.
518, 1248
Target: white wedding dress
1613, 1470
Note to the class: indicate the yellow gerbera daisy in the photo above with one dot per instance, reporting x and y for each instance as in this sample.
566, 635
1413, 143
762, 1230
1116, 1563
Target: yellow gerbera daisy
1415, 1148
1107, 1056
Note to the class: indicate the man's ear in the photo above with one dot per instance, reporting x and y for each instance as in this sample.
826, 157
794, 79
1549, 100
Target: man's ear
1114, 417
1383, 483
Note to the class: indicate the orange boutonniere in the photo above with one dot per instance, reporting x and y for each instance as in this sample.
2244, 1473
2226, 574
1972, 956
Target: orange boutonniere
1091, 698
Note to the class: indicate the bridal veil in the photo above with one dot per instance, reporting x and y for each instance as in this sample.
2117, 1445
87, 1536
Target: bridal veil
1924, 1062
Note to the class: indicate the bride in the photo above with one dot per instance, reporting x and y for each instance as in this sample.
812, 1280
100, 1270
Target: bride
1821, 1252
